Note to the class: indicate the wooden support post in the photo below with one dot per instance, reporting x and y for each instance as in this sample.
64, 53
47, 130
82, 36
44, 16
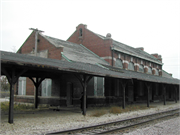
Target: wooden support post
84, 79
124, 83
36, 84
124, 99
11, 103
12, 79
148, 85
84, 98
164, 94
148, 96
175, 94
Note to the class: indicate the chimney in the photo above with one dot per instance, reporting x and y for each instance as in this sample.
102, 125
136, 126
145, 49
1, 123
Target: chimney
170, 74
140, 48
155, 55
159, 58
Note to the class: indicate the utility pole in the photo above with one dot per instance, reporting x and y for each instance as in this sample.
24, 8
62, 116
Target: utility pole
36, 38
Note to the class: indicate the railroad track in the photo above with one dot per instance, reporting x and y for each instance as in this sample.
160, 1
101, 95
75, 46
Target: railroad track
122, 125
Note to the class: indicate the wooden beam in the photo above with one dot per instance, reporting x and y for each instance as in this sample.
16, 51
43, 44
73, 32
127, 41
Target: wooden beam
12, 80
36, 84
11, 103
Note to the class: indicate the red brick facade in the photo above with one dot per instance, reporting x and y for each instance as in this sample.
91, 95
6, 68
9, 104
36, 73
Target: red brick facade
102, 47
43, 44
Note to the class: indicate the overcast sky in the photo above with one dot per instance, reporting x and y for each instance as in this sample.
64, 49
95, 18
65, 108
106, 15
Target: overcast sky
152, 24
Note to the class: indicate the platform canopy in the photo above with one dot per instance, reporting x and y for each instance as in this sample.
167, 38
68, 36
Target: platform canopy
38, 67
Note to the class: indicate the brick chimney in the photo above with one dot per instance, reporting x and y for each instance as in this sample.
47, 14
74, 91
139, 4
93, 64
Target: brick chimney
159, 58
155, 55
140, 48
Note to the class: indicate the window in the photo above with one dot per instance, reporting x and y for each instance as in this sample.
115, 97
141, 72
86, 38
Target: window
46, 87
141, 68
80, 32
156, 72
22, 86
149, 70
131, 66
119, 63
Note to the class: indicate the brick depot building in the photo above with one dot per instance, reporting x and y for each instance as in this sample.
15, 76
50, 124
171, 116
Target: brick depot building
88, 47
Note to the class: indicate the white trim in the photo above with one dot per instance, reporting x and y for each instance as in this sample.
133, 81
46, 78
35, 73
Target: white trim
136, 64
108, 57
146, 67
125, 61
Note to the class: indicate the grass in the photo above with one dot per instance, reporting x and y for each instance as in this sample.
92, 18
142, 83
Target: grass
17, 107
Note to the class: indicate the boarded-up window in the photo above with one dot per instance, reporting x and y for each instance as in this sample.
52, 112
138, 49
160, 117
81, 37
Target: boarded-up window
119, 63
131, 66
46, 87
141, 68
22, 86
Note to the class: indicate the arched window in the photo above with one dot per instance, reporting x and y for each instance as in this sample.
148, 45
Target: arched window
131, 66
149, 70
141, 68
156, 72
119, 63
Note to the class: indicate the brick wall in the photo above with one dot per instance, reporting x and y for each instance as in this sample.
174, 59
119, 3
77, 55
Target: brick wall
92, 41
43, 44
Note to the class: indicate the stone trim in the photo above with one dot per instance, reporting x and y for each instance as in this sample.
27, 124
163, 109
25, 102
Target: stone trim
125, 61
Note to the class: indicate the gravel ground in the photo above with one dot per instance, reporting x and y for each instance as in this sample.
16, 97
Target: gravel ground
49, 121
169, 127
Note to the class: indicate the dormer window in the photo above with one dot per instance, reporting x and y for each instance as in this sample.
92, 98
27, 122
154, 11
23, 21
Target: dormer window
80, 32
119, 63
131, 66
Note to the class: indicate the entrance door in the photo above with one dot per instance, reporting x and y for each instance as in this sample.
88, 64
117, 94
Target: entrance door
69, 93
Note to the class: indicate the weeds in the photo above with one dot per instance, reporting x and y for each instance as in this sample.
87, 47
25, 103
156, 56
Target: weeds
99, 113
17, 107
115, 110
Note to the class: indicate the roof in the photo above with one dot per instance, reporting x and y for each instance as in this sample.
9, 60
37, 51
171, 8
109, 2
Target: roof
75, 52
23, 60
165, 74
143, 76
118, 46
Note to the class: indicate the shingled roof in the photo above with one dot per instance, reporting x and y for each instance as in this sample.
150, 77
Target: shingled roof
75, 52
118, 46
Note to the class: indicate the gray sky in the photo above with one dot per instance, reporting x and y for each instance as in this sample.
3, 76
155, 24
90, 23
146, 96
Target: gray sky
152, 24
